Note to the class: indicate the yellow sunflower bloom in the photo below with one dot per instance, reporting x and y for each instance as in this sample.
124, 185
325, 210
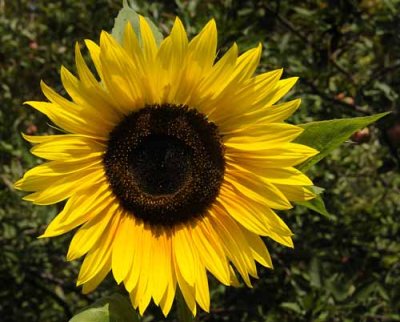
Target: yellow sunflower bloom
172, 165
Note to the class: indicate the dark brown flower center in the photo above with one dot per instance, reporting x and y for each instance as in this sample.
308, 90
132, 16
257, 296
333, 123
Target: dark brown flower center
165, 164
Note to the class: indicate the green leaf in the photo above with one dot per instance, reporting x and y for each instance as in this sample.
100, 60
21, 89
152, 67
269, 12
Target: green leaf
114, 308
340, 287
326, 136
317, 204
364, 292
292, 307
315, 273
303, 11
128, 14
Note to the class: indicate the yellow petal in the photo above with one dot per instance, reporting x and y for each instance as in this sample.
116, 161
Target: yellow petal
202, 48
132, 47
188, 291
263, 83
39, 177
79, 209
246, 64
239, 211
230, 98
251, 186
260, 137
144, 291
62, 147
94, 51
148, 41
85, 75
64, 187
218, 77
256, 217
285, 155
236, 104
202, 290
169, 295
119, 75
64, 110
258, 248
124, 248
67, 118
91, 98
160, 266
287, 176
284, 175
92, 284
132, 278
173, 59
186, 257
275, 113
234, 243
89, 234
284, 240
295, 193
280, 90
206, 241
141, 294
35, 139
100, 255
234, 280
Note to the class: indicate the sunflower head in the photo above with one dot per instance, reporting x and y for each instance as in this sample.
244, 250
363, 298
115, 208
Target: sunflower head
172, 164
159, 161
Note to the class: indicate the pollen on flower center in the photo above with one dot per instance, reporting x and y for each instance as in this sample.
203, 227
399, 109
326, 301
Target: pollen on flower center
165, 164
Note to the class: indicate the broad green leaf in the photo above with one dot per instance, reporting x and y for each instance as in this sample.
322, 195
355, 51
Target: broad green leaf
325, 136
114, 308
317, 204
128, 14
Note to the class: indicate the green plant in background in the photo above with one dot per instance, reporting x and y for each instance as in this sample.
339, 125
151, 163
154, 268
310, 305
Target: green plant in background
323, 291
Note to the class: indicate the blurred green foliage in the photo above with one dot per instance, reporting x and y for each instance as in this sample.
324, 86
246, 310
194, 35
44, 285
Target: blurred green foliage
344, 267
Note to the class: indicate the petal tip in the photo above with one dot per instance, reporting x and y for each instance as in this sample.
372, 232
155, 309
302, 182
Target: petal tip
211, 24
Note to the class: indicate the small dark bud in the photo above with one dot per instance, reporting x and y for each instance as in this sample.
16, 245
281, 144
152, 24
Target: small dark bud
361, 136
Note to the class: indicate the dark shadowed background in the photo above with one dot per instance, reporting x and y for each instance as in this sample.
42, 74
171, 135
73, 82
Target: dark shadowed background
345, 266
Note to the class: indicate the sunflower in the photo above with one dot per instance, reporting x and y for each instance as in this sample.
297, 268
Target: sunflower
172, 164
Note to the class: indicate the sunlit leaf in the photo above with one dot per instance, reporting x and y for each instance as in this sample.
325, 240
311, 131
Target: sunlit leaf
128, 14
114, 308
325, 136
